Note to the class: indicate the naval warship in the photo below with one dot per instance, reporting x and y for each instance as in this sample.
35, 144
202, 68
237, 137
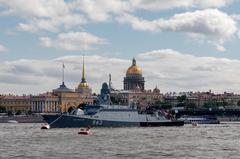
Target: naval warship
108, 116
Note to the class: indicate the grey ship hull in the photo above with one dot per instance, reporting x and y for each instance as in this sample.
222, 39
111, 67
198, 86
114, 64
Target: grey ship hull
70, 121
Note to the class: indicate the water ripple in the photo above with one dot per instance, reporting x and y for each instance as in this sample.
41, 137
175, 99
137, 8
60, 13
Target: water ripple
205, 141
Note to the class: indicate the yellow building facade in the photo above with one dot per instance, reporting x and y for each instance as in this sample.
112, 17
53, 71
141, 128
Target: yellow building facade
63, 99
16, 103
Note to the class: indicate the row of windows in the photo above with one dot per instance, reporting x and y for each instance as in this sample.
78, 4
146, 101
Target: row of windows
45, 102
45, 109
15, 102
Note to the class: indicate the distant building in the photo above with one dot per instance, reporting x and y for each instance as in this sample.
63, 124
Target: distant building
63, 99
141, 99
134, 90
134, 79
204, 99
16, 103
45, 103
70, 99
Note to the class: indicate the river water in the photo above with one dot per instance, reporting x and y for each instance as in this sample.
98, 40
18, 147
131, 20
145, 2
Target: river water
204, 141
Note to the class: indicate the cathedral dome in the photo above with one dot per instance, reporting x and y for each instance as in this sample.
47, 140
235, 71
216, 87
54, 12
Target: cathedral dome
134, 69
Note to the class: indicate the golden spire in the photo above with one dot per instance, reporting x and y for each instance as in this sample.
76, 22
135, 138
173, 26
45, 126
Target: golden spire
83, 72
83, 83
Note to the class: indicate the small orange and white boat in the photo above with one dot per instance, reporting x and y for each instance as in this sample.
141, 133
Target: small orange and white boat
45, 126
85, 131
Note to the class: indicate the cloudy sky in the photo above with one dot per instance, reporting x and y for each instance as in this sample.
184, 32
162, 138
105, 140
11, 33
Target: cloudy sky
181, 45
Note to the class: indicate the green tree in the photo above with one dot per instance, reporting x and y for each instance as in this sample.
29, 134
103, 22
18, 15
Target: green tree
157, 104
9, 113
181, 98
210, 104
166, 105
29, 112
238, 103
162, 105
221, 103
2, 109
19, 112
215, 103
191, 106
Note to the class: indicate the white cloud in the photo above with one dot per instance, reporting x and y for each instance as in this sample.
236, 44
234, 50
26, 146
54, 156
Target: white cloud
37, 8
72, 41
206, 22
55, 14
52, 24
169, 68
35, 76
209, 24
160, 4
42, 14
213, 4
101, 11
220, 48
165, 68
236, 17
38, 24
157, 5
3, 48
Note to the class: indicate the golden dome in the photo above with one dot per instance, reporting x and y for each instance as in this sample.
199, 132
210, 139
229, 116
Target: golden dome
83, 85
134, 69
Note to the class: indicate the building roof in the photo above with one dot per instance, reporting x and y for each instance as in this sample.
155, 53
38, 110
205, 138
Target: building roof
62, 88
14, 97
47, 94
